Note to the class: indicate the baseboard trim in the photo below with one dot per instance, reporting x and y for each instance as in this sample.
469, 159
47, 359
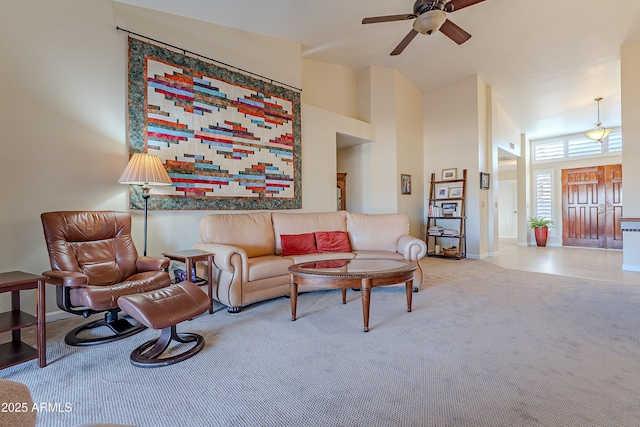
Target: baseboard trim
628, 267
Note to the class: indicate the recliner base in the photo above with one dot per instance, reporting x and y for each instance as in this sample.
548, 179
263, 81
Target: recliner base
121, 328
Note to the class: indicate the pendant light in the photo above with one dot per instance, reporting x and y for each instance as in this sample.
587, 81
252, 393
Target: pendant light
599, 132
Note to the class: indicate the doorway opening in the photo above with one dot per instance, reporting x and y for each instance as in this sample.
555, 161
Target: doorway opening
507, 194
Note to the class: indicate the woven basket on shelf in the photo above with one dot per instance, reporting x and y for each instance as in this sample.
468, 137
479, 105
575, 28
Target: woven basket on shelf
450, 251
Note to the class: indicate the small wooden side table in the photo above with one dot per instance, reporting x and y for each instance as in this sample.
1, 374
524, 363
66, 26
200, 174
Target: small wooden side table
190, 257
15, 351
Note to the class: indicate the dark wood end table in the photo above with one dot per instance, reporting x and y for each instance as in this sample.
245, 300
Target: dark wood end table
189, 257
353, 273
16, 351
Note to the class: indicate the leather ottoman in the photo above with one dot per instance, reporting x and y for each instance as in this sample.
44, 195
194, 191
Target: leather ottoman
164, 309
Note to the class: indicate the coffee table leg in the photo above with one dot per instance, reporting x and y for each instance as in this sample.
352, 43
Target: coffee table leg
409, 294
344, 295
294, 298
366, 302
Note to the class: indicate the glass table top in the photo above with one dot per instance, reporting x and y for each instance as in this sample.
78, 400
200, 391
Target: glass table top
353, 267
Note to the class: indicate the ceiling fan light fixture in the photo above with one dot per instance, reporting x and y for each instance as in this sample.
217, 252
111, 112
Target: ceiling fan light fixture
599, 133
430, 21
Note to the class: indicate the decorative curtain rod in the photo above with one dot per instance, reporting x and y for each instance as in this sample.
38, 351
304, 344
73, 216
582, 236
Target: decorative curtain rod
185, 51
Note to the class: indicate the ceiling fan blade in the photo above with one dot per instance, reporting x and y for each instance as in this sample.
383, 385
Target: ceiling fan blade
404, 43
454, 5
454, 32
388, 18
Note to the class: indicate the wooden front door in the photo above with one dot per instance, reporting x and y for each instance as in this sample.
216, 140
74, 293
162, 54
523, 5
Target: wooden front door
591, 205
613, 206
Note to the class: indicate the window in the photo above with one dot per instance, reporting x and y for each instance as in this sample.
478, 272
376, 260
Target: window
546, 151
582, 147
544, 194
575, 146
615, 142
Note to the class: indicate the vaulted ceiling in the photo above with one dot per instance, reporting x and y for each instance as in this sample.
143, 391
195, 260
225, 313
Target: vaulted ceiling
546, 60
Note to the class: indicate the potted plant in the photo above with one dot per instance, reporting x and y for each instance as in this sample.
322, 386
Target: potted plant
540, 228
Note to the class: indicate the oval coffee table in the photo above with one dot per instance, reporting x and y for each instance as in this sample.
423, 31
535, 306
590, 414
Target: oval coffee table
352, 273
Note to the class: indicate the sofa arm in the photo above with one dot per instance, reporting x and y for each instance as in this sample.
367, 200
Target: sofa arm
411, 248
227, 258
71, 279
148, 263
230, 272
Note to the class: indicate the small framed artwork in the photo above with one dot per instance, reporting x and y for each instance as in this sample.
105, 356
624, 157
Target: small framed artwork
449, 209
455, 192
484, 181
449, 174
405, 184
442, 191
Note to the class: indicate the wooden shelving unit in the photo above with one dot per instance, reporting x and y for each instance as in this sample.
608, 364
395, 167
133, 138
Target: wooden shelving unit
16, 351
446, 220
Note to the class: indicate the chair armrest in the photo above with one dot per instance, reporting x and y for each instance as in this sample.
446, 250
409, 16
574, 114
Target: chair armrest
149, 263
70, 279
411, 248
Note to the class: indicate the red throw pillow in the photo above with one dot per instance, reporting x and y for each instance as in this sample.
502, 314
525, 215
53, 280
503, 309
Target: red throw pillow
298, 244
333, 241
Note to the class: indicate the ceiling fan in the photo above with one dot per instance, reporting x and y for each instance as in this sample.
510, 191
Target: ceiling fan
429, 15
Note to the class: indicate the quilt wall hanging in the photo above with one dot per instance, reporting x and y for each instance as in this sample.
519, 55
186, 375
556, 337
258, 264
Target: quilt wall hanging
227, 140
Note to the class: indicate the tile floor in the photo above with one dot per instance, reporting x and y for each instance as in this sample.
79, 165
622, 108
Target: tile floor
599, 264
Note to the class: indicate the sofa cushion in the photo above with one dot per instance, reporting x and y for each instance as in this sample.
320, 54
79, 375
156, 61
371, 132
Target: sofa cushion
332, 241
252, 232
298, 223
298, 244
376, 232
264, 267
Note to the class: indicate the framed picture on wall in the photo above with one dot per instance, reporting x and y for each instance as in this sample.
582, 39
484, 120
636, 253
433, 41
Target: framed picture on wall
484, 181
405, 184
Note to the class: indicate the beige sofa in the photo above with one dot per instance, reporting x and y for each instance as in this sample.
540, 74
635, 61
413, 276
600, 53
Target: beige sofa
249, 265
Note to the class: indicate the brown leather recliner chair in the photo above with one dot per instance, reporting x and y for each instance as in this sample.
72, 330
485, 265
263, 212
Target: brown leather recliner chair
93, 263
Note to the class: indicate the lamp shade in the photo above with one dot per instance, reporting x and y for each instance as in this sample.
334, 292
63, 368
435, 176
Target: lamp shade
598, 134
145, 169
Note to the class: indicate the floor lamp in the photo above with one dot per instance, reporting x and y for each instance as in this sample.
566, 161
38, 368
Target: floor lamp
145, 170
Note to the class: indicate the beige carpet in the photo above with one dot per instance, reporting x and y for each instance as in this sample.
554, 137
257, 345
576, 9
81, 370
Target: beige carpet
484, 346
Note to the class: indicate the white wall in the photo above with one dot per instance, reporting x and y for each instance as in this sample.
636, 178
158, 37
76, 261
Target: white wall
355, 161
393, 104
409, 134
331, 87
384, 176
319, 154
502, 134
630, 69
524, 191
455, 131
